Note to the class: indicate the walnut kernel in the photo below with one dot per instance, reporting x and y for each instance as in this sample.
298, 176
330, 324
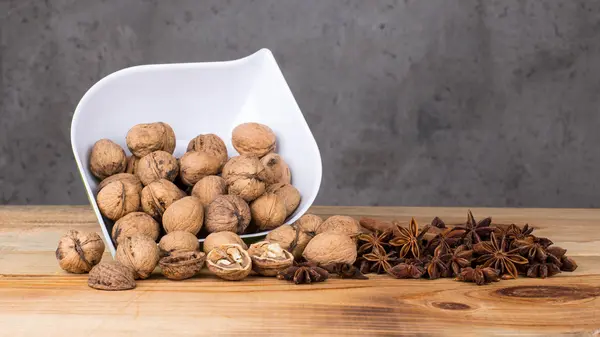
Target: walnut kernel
268, 258
221, 238
230, 262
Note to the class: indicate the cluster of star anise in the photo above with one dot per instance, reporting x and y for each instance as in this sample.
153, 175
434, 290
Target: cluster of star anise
476, 251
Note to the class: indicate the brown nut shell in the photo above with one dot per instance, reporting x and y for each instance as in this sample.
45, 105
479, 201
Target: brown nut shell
197, 165
107, 158
178, 241
182, 265
208, 188
111, 275
341, 224
227, 213
268, 211
229, 262
135, 223
131, 164
268, 258
155, 166
309, 223
185, 214
78, 252
211, 144
290, 238
142, 139
330, 247
289, 194
246, 177
140, 253
278, 167
118, 199
126, 178
253, 139
221, 238
158, 196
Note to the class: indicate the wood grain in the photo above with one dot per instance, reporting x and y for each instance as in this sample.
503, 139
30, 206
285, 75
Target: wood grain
37, 298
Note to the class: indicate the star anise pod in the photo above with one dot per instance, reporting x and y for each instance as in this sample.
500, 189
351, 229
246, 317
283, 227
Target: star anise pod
380, 261
409, 239
542, 269
497, 255
567, 264
437, 267
515, 232
537, 249
304, 273
438, 223
479, 275
476, 232
363, 265
345, 270
407, 270
460, 258
369, 242
448, 238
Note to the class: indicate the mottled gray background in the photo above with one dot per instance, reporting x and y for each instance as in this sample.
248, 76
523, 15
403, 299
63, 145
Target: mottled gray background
465, 102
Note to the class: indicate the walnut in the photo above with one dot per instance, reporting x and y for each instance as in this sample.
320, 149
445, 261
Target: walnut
143, 139
118, 199
330, 247
340, 224
289, 194
227, 213
135, 223
208, 188
131, 164
158, 196
309, 224
111, 275
155, 166
197, 165
126, 178
279, 169
78, 252
185, 214
246, 177
178, 241
253, 139
230, 262
268, 211
211, 144
182, 265
290, 238
140, 253
221, 238
268, 258
107, 158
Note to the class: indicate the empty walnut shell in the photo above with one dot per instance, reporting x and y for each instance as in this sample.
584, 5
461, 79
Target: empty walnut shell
158, 196
211, 144
208, 188
111, 275
143, 139
268, 211
118, 199
340, 224
185, 214
107, 158
140, 253
279, 169
309, 224
290, 238
268, 258
131, 164
229, 262
135, 223
289, 194
253, 139
126, 178
221, 238
78, 252
227, 213
157, 165
182, 265
330, 247
197, 165
178, 241
246, 177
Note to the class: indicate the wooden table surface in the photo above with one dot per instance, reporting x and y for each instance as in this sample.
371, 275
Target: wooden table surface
38, 298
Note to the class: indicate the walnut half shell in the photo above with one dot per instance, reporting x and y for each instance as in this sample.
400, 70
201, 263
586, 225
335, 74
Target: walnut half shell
111, 276
182, 265
229, 262
268, 258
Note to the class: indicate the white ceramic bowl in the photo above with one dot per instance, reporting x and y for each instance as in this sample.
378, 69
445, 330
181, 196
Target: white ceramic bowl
198, 98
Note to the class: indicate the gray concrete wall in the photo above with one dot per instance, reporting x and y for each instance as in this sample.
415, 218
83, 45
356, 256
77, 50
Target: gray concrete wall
437, 102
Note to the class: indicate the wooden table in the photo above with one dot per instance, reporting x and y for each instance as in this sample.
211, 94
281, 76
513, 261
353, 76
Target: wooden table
38, 298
